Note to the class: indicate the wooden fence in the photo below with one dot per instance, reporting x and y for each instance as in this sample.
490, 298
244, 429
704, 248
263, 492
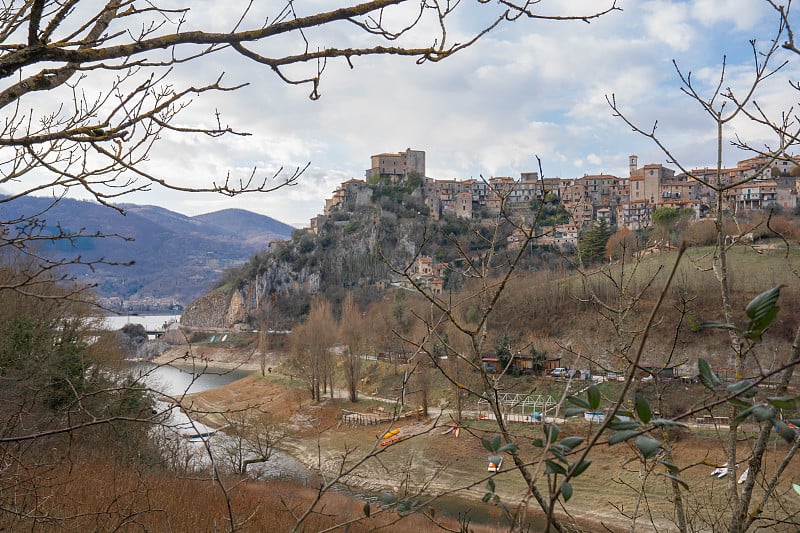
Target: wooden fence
355, 418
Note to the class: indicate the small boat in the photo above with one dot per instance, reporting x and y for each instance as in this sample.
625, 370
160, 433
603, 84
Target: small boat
743, 477
599, 416
391, 433
197, 437
721, 472
594, 416
195, 431
495, 463
391, 440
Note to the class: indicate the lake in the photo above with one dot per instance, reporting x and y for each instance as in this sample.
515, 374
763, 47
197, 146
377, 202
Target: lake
174, 380
150, 322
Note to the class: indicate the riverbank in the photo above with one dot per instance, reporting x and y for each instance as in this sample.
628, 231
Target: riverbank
425, 461
204, 355
429, 460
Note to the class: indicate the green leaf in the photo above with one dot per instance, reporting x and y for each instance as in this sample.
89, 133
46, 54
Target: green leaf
490, 485
707, 376
762, 304
510, 447
619, 425
649, 447
642, 408
555, 467
566, 491
665, 422
571, 442
593, 395
573, 411
762, 311
739, 418
539, 443
622, 436
738, 402
757, 328
580, 402
491, 445
558, 452
718, 325
784, 402
673, 469
681, 482
742, 388
486, 497
366, 509
762, 413
579, 468
487, 444
551, 432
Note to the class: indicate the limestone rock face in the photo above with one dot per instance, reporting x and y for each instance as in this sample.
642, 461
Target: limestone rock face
208, 311
237, 312
347, 253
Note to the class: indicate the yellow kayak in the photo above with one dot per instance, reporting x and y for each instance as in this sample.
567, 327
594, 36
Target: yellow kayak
390, 434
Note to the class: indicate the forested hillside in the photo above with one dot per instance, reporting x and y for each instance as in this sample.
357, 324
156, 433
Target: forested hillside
363, 249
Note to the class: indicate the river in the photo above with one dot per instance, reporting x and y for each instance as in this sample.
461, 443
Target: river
175, 381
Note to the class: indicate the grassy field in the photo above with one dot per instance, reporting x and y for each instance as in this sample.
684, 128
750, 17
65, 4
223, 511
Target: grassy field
427, 461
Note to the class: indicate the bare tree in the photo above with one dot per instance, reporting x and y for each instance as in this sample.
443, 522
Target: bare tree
87, 88
353, 338
267, 320
722, 106
311, 344
250, 438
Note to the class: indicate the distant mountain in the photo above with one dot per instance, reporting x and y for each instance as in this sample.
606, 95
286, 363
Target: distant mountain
177, 257
250, 226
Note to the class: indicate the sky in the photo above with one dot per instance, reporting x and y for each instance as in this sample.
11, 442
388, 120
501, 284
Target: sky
530, 89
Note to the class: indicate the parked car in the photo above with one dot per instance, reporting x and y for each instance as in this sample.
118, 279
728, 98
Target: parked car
559, 372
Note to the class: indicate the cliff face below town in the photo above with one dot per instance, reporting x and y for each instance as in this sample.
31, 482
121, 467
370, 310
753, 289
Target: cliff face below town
358, 252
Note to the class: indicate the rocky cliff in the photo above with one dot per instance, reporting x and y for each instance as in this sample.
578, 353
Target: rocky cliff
357, 251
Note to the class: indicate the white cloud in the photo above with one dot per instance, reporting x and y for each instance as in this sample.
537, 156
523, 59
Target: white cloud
668, 22
529, 89
594, 159
740, 14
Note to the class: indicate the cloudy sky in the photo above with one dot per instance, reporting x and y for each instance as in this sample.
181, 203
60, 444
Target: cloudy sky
528, 89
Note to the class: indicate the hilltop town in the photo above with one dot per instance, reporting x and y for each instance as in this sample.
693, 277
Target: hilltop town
625, 202
372, 228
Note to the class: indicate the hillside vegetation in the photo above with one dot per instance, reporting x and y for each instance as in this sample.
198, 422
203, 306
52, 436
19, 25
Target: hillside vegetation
370, 251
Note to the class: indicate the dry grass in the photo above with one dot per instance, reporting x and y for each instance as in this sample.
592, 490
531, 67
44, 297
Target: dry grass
96, 494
